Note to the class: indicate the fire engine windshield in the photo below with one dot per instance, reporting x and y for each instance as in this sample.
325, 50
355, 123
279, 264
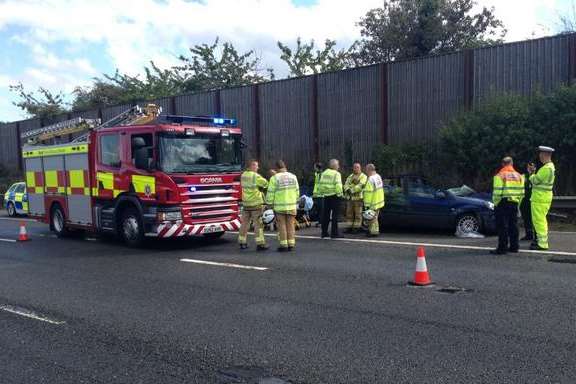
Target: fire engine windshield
199, 153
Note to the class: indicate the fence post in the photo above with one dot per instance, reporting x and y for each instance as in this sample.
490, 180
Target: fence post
384, 139
19, 147
314, 122
468, 79
256, 113
572, 59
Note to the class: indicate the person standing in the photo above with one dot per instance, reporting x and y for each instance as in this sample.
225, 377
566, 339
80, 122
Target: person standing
282, 197
353, 191
542, 195
508, 192
316, 215
373, 199
525, 205
253, 204
330, 188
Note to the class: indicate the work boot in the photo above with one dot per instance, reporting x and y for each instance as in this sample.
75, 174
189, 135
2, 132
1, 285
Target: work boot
536, 247
371, 234
262, 247
527, 238
243, 246
513, 250
324, 235
497, 252
282, 249
290, 249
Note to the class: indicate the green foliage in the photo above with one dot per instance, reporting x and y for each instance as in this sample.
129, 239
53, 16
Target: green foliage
475, 142
7, 178
210, 67
43, 104
305, 60
412, 28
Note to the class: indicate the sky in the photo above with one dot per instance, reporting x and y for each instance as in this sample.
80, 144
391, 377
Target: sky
61, 44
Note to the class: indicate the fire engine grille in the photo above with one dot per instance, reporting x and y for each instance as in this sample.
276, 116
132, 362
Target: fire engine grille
209, 203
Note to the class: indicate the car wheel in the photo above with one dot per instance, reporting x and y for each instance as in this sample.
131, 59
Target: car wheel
132, 228
468, 223
11, 209
58, 222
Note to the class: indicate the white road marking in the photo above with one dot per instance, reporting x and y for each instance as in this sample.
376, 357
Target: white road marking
29, 314
430, 245
224, 264
47, 235
16, 219
8, 240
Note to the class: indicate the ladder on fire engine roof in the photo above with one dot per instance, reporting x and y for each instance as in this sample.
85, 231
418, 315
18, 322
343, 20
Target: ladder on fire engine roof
133, 116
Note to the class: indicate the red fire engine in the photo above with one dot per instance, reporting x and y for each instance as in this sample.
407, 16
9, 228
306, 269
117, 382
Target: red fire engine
139, 175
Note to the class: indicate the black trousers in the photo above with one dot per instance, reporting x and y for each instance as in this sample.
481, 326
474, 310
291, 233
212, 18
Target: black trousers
330, 212
507, 225
527, 218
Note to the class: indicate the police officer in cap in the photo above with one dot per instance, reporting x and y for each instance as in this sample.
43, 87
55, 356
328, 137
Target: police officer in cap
542, 195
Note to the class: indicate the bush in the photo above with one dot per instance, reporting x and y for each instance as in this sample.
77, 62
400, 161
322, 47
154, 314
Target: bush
474, 142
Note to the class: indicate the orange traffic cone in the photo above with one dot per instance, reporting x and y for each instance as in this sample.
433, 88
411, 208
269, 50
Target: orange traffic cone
421, 276
23, 235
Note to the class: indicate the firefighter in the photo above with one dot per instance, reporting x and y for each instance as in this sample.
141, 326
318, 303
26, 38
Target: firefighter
330, 188
373, 200
316, 214
525, 205
541, 199
353, 188
282, 197
253, 205
507, 194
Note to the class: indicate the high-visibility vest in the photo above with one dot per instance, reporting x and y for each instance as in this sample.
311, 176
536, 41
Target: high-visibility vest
354, 186
283, 192
543, 184
330, 183
374, 193
509, 185
252, 184
316, 191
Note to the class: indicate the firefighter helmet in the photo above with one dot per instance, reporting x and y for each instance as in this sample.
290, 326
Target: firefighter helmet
268, 216
369, 214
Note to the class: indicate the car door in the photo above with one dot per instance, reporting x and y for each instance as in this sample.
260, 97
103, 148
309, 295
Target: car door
21, 199
396, 205
428, 207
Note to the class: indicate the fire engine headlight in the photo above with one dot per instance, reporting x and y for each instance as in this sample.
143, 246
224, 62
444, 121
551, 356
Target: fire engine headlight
169, 216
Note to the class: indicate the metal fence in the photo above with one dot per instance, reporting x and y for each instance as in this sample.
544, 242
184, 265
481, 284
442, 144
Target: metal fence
345, 114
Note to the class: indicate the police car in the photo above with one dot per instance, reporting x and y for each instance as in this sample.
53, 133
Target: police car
16, 200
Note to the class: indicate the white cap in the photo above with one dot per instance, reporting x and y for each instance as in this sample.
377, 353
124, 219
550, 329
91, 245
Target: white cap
543, 148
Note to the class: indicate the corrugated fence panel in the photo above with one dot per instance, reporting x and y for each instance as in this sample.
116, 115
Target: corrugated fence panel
423, 94
238, 103
349, 114
165, 103
28, 125
8, 146
92, 114
521, 67
110, 112
286, 132
196, 104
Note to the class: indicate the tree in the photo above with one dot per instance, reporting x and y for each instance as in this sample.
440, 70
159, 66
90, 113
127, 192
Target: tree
121, 88
211, 67
44, 105
568, 19
304, 60
404, 29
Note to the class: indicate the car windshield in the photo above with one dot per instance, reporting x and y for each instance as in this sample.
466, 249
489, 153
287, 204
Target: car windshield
199, 153
462, 191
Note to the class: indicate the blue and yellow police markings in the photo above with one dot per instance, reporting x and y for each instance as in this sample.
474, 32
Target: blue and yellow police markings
16, 200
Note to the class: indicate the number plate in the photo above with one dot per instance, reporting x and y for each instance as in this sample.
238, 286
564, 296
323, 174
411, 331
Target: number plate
212, 229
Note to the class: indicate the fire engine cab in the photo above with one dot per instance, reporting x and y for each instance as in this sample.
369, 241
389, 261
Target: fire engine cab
140, 174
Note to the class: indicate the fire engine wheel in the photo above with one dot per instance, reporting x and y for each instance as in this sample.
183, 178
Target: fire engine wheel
11, 209
57, 221
131, 227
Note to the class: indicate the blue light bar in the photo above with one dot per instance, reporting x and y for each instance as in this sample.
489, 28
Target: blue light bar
210, 120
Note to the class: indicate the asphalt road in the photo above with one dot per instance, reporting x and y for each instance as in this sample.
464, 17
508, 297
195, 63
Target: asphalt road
93, 311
